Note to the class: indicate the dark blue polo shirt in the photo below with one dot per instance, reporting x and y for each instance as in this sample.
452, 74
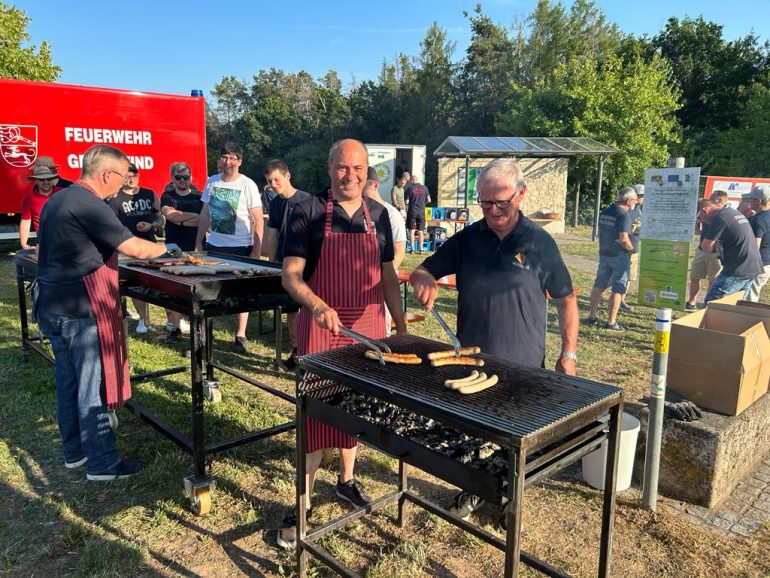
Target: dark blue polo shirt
737, 244
501, 287
612, 222
760, 224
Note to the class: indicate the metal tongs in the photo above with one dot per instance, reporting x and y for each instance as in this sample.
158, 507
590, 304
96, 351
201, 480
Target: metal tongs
447, 330
377, 346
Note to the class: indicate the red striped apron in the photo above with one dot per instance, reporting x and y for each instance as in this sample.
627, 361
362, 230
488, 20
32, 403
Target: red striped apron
104, 294
348, 279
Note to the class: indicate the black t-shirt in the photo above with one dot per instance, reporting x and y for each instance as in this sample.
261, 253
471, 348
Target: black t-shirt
78, 233
501, 287
182, 235
279, 211
760, 224
415, 197
305, 231
737, 244
612, 222
133, 209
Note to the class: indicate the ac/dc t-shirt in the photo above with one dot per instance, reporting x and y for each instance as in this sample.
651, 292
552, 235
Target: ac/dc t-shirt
134, 209
78, 234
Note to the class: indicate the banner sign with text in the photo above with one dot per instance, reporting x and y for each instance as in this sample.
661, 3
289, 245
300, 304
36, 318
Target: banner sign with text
663, 273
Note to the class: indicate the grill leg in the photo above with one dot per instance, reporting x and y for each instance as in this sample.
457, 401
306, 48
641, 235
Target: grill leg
513, 512
301, 446
610, 480
197, 327
403, 482
208, 346
20, 275
278, 317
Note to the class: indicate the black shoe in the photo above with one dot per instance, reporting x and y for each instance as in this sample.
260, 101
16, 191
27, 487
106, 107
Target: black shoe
174, 335
614, 326
291, 361
690, 307
123, 469
240, 345
287, 534
353, 492
465, 504
590, 321
625, 306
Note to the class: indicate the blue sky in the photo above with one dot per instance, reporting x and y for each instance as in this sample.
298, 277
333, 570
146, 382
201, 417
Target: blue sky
173, 46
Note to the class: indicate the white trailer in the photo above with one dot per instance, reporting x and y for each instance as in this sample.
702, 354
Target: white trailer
391, 160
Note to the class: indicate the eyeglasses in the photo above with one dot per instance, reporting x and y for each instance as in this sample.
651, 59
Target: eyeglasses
231, 158
131, 177
121, 175
502, 205
181, 177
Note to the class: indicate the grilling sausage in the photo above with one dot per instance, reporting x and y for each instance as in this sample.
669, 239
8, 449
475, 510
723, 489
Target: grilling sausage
405, 358
462, 382
479, 385
451, 352
457, 361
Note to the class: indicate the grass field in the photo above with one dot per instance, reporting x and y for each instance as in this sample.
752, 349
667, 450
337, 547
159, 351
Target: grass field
55, 523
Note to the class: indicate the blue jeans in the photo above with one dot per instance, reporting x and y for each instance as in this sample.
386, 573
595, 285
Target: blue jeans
81, 410
727, 284
613, 271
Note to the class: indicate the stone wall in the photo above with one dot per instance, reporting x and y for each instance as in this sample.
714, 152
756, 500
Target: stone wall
546, 187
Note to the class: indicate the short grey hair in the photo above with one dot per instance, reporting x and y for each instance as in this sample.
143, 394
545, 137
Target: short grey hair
625, 194
178, 167
95, 159
502, 169
335, 150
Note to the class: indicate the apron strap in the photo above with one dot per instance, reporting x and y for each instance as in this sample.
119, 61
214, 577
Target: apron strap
330, 208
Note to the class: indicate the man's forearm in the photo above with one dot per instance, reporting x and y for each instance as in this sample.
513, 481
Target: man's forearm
568, 322
300, 291
24, 228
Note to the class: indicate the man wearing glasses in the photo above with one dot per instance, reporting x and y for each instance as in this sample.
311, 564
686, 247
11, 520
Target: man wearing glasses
505, 266
46, 182
232, 211
139, 211
181, 206
78, 309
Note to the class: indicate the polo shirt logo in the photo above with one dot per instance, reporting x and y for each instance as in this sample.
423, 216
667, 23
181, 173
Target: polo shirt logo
520, 261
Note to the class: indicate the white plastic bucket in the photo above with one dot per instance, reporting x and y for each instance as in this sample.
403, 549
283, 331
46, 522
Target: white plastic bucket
595, 463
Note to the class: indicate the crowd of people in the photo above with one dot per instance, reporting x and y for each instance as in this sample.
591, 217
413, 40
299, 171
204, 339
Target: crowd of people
340, 250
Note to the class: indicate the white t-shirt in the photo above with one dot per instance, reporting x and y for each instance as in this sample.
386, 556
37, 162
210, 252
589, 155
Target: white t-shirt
397, 223
229, 203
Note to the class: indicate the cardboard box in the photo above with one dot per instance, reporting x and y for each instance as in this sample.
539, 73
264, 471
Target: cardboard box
719, 357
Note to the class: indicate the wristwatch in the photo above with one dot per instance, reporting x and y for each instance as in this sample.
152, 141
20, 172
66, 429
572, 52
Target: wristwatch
570, 354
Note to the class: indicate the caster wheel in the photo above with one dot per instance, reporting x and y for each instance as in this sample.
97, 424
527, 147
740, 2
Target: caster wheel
212, 393
201, 504
113, 417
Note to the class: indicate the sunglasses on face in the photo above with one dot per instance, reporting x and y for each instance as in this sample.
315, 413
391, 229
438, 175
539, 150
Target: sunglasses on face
181, 177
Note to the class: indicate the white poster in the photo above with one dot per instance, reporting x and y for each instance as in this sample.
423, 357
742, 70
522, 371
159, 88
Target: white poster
670, 204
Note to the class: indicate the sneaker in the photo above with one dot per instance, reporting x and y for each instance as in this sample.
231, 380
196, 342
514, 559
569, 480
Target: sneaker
291, 361
690, 307
122, 470
184, 326
75, 464
133, 315
591, 321
287, 535
614, 326
465, 504
141, 327
174, 335
353, 492
625, 306
240, 345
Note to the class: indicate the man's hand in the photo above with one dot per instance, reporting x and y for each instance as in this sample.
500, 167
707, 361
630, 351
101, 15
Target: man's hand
326, 318
143, 226
566, 365
425, 287
173, 250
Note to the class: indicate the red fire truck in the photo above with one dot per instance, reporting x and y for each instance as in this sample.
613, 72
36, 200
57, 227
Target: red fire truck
62, 121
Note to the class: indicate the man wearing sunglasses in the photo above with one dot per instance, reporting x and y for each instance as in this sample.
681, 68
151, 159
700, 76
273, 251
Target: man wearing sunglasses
181, 205
505, 266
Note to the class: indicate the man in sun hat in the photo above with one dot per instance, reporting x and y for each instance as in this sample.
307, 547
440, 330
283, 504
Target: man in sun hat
46, 182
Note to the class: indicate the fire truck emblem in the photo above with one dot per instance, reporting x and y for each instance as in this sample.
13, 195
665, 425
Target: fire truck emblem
18, 144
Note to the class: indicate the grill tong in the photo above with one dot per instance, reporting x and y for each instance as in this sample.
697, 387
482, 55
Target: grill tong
447, 330
377, 346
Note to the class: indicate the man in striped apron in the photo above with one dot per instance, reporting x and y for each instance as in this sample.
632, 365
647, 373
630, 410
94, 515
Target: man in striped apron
338, 265
78, 309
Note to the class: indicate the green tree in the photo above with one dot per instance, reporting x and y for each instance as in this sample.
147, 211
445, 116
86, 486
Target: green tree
16, 60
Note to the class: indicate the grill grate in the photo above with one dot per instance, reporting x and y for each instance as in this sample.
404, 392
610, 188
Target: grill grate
524, 401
